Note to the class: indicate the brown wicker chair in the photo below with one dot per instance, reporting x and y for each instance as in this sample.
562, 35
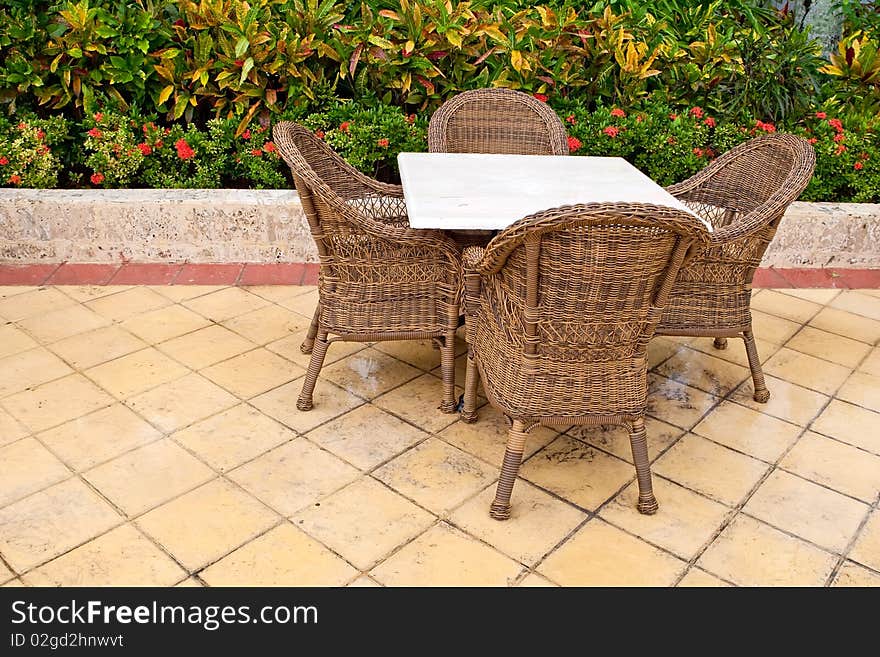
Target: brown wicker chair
496, 121
743, 194
379, 279
560, 309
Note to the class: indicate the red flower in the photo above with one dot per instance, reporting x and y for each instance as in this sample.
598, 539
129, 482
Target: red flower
611, 131
839, 137
709, 122
382, 142
618, 112
840, 149
94, 132
97, 178
145, 148
574, 144
343, 127
571, 120
246, 134
673, 116
836, 124
184, 150
670, 140
40, 135
319, 134
42, 149
863, 156
697, 112
158, 144
99, 117
858, 166
766, 127
821, 115
256, 152
698, 152
22, 125
640, 118
4, 161
15, 179
812, 140
269, 147
411, 118
540, 97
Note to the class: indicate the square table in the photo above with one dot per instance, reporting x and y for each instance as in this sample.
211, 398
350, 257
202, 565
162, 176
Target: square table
477, 191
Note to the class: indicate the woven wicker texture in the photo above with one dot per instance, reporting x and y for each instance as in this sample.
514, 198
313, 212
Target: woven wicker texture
379, 279
743, 194
496, 121
560, 309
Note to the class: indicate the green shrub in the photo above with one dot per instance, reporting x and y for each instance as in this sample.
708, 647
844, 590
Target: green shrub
31, 151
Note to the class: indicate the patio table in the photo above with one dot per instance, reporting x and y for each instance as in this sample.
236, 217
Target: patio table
478, 192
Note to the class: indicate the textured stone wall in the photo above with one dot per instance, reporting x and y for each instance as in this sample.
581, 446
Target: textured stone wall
233, 225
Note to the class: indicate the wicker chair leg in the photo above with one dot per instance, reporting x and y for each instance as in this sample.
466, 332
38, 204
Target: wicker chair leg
720, 343
472, 378
638, 439
447, 369
304, 403
309, 342
516, 442
762, 395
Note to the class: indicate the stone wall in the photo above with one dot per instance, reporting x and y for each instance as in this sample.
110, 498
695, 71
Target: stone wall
232, 225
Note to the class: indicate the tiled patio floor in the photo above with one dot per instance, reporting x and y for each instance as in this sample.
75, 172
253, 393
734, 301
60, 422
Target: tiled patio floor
149, 435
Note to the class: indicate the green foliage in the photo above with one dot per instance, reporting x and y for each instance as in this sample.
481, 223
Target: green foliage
30, 151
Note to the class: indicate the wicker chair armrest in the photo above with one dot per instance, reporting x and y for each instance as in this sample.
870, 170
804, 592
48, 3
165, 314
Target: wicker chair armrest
471, 257
770, 210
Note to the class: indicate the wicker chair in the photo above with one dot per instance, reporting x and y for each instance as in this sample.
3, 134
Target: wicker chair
496, 121
743, 194
379, 279
560, 309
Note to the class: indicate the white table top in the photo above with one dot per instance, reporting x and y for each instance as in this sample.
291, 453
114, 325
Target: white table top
470, 191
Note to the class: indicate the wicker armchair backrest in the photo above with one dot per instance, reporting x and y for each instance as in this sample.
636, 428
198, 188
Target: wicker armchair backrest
496, 121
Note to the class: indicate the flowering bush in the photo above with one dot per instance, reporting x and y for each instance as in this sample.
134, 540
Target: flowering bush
114, 155
28, 155
187, 158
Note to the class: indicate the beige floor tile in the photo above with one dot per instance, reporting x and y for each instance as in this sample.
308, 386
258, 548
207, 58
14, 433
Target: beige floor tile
56, 402
293, 476
771, 328
83, 293
661, 348
370, 373
812, 512
253, 372
833, 464
700, 578
808, 371
53, 521
602, 555
748, 431
27, 467
736, 351
829, 346
16, 583
788, 401
711, 469
37, 302
871, 365
676, 403
847, 324
178, 293
225, 304
200, 527
684, 524
5, 573
304, 304
366, 436
750, 553
206, 346
533, 580
436, 475
267, 324
283, 556
418, 353
13, 340
852, 574
62, 323
189, 582
132, 374
872, 292
364, 522
363, 582
615, 439
443, 556
487, 437
7, 291
289, 347
538, 522
129, 303
121, 557
147, 476
329, 400
95, 347
867, 546
822, 296
851, 424
862, 389
785, 305
165, 323
232, 437
279, 293
29, 369
10, 429
853, 301
419, 402
713, 375
579, 473
99, 436
174, 405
